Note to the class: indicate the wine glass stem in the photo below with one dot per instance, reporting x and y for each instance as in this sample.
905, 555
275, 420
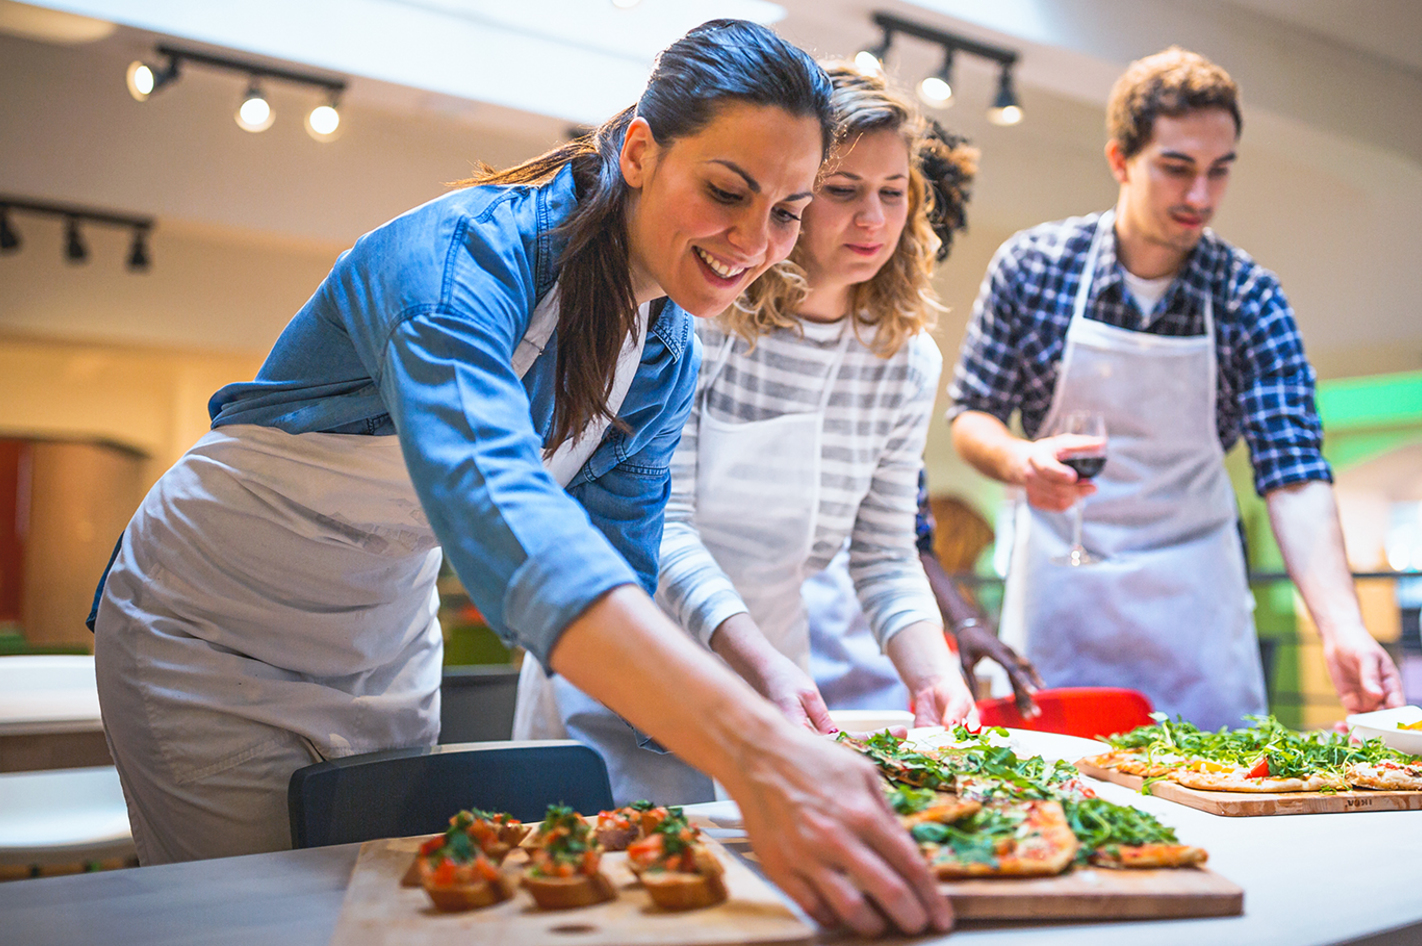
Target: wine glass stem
1076, 526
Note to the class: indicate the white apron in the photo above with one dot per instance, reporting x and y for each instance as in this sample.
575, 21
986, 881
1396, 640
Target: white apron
289, 580
846, 662
1169, 611
757, 503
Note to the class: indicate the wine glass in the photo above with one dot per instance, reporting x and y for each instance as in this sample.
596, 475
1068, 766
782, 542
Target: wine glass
1087, 463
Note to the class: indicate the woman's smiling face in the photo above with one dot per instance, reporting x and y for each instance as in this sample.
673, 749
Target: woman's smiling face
712, 211
859, 212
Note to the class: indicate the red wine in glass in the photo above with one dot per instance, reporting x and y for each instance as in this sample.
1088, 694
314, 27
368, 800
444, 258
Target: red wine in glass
1085, 466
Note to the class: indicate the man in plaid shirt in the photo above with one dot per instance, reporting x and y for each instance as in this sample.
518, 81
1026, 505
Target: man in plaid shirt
1182, 343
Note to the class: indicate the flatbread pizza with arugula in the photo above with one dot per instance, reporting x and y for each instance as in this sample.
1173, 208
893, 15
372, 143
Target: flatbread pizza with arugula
978, 810
1264, 757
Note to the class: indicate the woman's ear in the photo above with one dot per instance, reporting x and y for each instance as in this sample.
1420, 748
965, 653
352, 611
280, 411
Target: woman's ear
639, 151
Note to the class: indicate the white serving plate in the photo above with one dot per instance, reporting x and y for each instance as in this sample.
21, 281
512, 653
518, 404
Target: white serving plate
1382, 724
859, 721
1025, 742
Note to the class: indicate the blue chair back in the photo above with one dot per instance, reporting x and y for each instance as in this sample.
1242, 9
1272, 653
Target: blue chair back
415, 791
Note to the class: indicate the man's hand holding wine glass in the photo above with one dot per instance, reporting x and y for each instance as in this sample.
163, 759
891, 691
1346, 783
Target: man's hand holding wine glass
1050, 483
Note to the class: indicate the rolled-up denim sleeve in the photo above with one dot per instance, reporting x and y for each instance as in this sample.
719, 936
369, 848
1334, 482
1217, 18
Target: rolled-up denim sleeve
526, 551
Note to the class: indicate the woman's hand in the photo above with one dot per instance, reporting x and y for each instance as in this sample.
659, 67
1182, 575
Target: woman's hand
814, 811
940, 694
823, 833
740, 642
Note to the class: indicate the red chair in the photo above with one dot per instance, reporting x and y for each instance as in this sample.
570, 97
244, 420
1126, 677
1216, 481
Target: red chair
1074, 711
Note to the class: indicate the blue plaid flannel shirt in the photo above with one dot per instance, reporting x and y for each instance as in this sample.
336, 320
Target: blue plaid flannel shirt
1018, 332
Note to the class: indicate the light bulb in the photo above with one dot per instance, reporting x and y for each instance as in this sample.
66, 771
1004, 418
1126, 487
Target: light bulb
140, 80
322, 122
1008, 115
935, 92
867, 62
254, 114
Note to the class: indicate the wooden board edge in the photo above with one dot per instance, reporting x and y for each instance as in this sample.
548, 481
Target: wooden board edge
795, 931
1219, 897
1088, 908
1253, 805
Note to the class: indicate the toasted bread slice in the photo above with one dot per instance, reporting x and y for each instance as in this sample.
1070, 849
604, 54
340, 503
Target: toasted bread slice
565, 893
466, 892
675, 890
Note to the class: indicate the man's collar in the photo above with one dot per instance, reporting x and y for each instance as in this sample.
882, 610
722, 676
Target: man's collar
1192, 277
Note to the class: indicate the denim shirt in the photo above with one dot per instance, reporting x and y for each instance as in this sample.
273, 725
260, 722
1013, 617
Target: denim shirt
412, 334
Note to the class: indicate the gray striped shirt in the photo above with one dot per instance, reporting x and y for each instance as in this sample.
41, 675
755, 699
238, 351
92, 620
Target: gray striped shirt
876, 422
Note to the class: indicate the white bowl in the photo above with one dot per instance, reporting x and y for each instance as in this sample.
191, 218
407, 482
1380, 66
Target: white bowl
1382, 724
870, 720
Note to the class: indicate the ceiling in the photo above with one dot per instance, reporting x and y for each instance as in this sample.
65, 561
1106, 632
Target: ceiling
436, 85
1388, 29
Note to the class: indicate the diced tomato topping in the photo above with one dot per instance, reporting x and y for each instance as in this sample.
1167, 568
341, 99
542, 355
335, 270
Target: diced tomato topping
484, 869
445, 873
646, 851
1260, 770
432, 845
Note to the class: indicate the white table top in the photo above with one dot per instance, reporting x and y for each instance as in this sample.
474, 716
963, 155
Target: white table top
48, 694
1309, 880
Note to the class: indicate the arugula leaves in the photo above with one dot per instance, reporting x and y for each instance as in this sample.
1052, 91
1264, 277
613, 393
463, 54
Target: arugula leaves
1289, 754
1099, 824
974, 838
974, 765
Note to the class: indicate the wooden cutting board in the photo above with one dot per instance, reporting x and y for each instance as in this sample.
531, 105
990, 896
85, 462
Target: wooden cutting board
377, 911
1092, 893
1097, 893
1249, 804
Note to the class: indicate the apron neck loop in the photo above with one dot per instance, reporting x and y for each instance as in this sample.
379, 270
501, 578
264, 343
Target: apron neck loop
1104, 225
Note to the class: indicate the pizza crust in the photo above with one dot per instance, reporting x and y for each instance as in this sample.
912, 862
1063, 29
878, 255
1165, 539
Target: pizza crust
1135, 763
1140, 856
1236, 781
1385, 776
945, 809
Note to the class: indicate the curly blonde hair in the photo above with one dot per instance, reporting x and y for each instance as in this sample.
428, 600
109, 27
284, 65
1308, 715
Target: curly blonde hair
899, 301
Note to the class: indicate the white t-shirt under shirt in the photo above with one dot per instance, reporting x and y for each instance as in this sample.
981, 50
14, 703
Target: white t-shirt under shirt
1146, 292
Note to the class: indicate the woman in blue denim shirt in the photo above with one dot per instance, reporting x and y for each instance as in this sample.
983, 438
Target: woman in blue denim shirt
503, 372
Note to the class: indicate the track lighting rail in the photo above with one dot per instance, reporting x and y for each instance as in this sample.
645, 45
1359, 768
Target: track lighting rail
254, 69
75, 211
890, 23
